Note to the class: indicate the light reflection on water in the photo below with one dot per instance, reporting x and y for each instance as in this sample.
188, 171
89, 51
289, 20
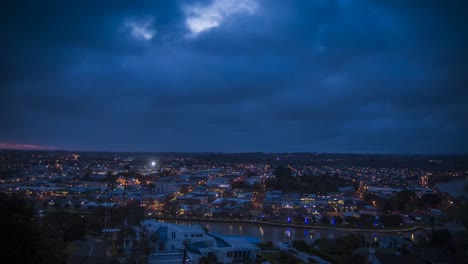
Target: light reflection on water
265, 232
273, 233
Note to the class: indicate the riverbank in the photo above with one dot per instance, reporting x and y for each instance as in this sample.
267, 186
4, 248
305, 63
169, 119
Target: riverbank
295, 225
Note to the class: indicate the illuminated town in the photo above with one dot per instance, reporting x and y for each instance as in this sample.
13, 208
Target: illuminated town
319, 193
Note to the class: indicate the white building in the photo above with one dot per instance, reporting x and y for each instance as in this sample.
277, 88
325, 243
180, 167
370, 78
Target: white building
224, 249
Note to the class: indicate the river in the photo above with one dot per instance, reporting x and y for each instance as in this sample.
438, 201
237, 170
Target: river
455, 188
265, 232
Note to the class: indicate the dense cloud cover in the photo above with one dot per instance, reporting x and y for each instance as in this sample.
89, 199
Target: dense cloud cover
235, 76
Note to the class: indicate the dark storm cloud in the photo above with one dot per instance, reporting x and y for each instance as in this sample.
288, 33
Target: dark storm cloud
40, 35
332, 76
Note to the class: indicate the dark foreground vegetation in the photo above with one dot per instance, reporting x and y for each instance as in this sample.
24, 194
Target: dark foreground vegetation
32, 236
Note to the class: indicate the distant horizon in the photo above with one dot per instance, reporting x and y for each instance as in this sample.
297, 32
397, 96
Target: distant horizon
228, 152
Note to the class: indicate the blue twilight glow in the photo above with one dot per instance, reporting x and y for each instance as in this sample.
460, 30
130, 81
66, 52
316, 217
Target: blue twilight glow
235, 76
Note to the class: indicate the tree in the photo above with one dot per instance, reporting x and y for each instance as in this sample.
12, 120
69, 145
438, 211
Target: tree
52, 239
147, 242
325, 220
239, 184
351, 220
151, 186
391, 220
257, 186
338, 220
132, 213
87, 174
283, 173
149, 201
464, 214
299, 218
125, 239
203, 260
211, 259
429, 200
348, 243
124, 191
283, 179
110, 179
287, 256
365, 220
439, 237
300, 245
403, 201
25, 239
72, 225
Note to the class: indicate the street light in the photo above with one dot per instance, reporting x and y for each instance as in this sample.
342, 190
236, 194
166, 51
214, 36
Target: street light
185, 242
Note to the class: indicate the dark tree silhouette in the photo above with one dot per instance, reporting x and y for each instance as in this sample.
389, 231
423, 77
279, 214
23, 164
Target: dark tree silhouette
73, 226
24, 239
391, 220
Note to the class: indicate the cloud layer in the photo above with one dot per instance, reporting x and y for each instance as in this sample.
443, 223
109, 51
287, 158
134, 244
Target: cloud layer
251, 75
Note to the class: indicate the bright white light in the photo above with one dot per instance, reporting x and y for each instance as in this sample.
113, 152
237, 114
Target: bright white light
201, 18
140, 29
153, 163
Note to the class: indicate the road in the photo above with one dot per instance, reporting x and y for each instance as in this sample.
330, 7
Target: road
299, 254
87, 251
305, 257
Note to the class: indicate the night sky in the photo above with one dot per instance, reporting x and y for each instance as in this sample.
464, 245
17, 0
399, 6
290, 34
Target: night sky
348, 76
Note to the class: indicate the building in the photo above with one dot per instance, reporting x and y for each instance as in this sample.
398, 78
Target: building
225, 249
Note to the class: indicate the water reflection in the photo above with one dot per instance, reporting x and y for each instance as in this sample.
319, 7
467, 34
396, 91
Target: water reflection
277, 233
